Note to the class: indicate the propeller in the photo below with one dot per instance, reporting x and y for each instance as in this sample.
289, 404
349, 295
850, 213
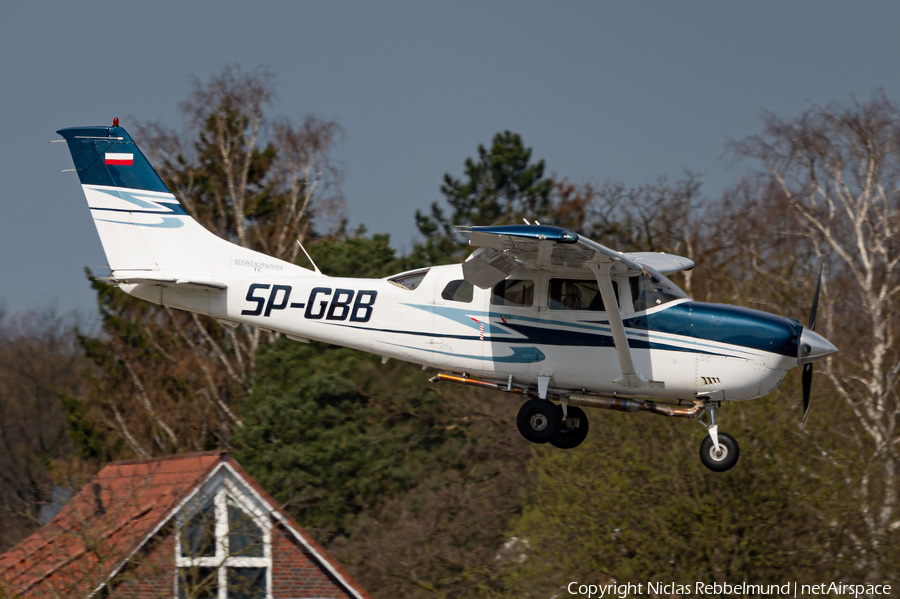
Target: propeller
808, 368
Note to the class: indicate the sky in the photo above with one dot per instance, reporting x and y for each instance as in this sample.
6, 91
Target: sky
601, 91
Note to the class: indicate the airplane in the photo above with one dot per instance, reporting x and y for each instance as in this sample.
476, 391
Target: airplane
535, 311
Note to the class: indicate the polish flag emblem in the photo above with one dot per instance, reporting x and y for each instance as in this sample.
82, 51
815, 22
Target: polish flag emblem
119, 159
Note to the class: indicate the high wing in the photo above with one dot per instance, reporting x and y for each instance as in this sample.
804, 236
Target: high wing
666, 264
504, 249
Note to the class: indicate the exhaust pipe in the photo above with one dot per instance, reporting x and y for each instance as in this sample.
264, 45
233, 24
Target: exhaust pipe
449, 378
631, 405
582, 399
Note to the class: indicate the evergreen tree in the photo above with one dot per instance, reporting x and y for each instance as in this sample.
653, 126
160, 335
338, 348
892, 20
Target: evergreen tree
501, 186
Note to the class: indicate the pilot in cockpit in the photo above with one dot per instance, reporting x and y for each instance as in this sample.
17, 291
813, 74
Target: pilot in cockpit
572, 296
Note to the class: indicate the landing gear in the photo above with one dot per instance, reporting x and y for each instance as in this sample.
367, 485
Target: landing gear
539, 420
718, 451
566, 426
574, 431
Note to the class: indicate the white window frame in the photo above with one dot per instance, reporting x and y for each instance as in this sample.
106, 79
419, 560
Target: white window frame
222, 561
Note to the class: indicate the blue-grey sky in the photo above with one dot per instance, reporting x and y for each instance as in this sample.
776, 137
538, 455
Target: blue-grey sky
621, 91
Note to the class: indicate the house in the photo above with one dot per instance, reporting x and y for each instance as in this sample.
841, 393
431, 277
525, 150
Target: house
184, 526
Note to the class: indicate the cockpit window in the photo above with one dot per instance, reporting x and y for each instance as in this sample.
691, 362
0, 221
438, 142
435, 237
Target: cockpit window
409, 280
577, 294
653, 289
513, 292
458, 291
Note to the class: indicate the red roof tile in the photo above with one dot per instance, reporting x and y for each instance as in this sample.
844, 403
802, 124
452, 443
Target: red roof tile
103, 524
109, 519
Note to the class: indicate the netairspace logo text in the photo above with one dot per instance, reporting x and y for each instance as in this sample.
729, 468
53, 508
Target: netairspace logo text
789, 589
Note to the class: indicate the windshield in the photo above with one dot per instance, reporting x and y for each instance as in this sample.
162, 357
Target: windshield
653, 289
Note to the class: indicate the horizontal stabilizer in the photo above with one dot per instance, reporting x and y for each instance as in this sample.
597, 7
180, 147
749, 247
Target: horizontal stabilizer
162, 278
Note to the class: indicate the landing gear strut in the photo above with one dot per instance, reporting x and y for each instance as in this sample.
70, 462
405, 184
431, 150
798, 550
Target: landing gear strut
566, 425
718, 451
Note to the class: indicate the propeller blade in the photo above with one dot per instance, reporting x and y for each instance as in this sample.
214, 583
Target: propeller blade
815, 304
807, 388
808, 368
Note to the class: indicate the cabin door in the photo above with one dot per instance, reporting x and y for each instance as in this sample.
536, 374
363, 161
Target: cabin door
457, 339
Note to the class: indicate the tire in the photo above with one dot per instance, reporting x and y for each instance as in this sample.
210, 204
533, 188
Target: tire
720, 463
568, 438
538, 420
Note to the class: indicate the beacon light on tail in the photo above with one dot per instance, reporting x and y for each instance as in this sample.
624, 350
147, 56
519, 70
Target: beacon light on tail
536, 310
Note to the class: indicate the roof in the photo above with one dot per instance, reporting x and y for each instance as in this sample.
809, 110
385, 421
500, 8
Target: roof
115, 514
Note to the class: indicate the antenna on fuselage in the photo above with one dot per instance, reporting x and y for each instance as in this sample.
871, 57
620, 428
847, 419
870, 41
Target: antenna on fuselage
526, 221
308, 257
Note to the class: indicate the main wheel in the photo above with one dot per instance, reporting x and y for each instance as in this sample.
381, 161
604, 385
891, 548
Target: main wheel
573, 432
725, 458
538, 420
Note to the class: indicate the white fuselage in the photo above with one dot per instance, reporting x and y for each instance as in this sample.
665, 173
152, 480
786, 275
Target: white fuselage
483, 339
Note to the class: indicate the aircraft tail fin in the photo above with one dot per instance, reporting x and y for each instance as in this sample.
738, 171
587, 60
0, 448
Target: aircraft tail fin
141, 224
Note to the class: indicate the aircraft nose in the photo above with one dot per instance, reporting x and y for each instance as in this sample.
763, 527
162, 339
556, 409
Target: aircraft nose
814, 346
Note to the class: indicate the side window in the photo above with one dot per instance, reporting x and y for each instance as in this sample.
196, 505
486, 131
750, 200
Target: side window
458, 291
515, 292
576, 294
409, 280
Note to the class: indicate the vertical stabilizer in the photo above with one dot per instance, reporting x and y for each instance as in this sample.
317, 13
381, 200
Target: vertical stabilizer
141, 224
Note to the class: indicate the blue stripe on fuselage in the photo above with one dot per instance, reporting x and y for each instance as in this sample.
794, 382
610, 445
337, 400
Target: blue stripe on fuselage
722, 323
698, 321
551, 334
717, 323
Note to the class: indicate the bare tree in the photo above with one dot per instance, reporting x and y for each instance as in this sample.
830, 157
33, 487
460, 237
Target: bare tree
838, 168
304, 171
39, 357
662, 216
230, 108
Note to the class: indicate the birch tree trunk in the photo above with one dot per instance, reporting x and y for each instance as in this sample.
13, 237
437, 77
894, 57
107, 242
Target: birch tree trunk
837, 169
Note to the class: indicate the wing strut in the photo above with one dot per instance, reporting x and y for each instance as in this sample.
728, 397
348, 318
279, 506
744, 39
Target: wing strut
630, 376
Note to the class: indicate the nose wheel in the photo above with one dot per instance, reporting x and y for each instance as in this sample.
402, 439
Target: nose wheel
721, 458
718, 451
